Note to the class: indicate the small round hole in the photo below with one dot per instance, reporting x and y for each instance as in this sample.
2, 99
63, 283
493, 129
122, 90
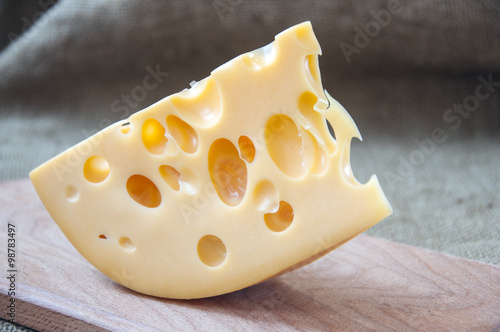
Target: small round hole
247, 149
211, 250
126, 243
265, 196
153, 136
72, 194
125, 128
303, 33
96, 169
281, 219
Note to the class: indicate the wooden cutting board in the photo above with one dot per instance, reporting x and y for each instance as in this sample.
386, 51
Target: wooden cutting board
367, 284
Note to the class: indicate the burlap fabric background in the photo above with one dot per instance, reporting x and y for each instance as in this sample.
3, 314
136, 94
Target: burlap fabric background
413, 74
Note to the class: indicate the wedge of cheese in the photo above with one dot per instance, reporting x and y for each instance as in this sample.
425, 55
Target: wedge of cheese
220, 186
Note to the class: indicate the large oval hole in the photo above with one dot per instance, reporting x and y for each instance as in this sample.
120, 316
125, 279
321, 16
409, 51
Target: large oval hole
183, 134
284, 145
143, 191
227, 171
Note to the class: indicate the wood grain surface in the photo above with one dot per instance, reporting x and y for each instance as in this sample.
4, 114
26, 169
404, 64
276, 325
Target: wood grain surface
367, 284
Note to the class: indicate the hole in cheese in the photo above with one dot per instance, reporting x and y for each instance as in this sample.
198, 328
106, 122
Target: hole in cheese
153, 136
346, 165
200, 105
189, 182
315, 120
356, 158
247, 148
96, 169
330, 130
265, 196
306, 103
227, 171
126, 244
183, 134
260, 57
284, 145
281, 219
71, 194
251, 62
143, 191
211, 250
312, 69
171, 176
303, 34
315, 155
125, 128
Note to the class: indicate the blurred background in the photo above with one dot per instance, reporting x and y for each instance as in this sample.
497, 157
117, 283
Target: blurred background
421, 79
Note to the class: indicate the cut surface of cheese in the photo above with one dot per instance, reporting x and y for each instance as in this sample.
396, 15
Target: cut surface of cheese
220, 186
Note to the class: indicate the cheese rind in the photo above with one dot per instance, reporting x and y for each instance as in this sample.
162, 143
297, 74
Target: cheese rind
219, 186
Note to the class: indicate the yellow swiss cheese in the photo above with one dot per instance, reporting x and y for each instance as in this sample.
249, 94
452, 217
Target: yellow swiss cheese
220, 186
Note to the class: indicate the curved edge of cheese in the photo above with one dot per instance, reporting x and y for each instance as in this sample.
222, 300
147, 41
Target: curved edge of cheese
219, 186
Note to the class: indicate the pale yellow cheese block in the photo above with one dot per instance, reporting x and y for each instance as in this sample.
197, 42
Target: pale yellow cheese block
219, 186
